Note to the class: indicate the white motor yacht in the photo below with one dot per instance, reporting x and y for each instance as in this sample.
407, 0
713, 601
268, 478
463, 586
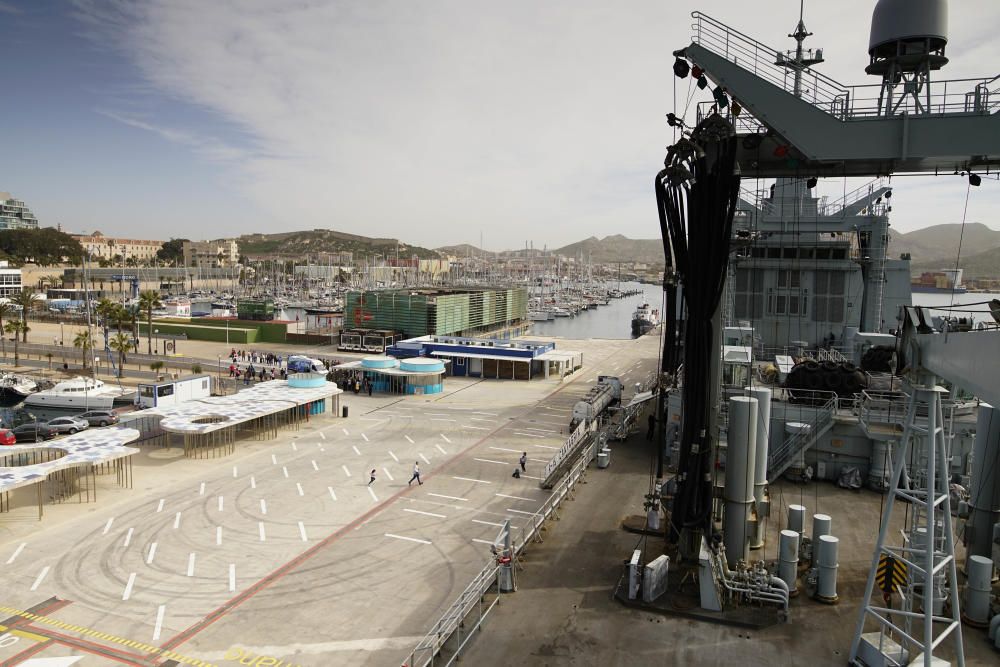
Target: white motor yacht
17, 385
80, 392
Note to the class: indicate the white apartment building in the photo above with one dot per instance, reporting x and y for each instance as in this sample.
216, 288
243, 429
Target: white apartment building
211, 254
10, 280
98, 246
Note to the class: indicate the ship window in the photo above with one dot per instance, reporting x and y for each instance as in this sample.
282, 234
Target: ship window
839, 253
165, 390
793, 305
757, 252
806, 253
822, 253
789, 253
774, 253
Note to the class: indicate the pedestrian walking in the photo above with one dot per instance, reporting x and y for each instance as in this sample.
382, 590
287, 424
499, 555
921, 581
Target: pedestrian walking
523, 460
370, 388
416, 474
652, 427
372, 480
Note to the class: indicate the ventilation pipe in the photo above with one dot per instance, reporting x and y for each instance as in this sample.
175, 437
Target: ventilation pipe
740, 469
762, 503
826, 546
976, 606
984, 501
821, 527
796, 518
788, 563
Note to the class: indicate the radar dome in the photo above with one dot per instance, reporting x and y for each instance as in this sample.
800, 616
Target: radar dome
918, 24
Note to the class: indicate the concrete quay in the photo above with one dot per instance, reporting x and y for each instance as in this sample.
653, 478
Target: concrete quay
282, 551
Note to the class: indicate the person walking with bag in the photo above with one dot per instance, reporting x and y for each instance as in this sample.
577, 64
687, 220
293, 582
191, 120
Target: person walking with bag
416, 474
523, 460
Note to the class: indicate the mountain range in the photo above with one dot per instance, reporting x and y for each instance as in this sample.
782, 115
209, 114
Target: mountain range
937, 247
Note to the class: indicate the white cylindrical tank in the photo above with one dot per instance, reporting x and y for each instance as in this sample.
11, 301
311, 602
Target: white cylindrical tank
976, 606
826, 546
902, 20
763, 396
797, 518
788, 559
984, 489
738, 492
880, 465
821, 526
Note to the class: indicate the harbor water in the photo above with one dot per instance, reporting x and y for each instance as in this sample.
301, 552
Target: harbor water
613, 321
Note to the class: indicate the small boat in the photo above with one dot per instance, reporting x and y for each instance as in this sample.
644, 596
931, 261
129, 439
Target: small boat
15, 385
79, 392
644, 319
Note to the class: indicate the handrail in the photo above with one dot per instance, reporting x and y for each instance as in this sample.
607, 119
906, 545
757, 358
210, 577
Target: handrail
782, 456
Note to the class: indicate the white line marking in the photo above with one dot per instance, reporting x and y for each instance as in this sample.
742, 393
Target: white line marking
441, 495
295, 447
253, 482
315, 466
160, 611
263, 506
274, 459
478, 428
409, 539
260, 531
322, 436
521, 512
235, 472
232, 577
388, 474
476, 539
442, 419
321, 449
41, 575
346, 471
218, 536
530, 435
506, 449
491, 461
482, 419
426, 460
201, 489
333, 494
446, 439
107, 526
177, 521
365, 437
302, 532
436, 414
159, 508
356, 450
545, 446
374, 497
470, 479
151, 554
488, 414
17, 552
190, 571
284, 471
539, 430
529, 476
438, 516
394, 457
346, 432
487, 523
299, 487
127, 593
504, 495
409, 439
220, 503
128, 537
441, 449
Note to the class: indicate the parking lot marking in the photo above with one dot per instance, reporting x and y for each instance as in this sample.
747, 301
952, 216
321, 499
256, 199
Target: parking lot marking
388, 474
333, 493
128, 537
19, 549
394, 457
177, 521
470, 479
356, 450
299, 487
159, 508
160, 611
441, 449
346, 471
365, 437
441, 495
127, 593
263, 506
302, 532
315, 465
504, 495
409, 539
218, 535
190, 571
409, 439
151, 554
372, 492
284, 471
107, 526
436, 516
260, 531
41, 576
232, 577
220, 503
426, 460
446, 438
490, 461
487, 523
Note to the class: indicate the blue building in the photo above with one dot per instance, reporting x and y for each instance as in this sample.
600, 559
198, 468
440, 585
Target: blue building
491, 357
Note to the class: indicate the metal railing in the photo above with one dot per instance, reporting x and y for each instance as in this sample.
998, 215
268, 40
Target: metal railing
434, 648
820, 420
971, 96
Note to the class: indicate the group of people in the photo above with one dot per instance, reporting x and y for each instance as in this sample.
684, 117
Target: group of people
255, 357
251, 374
522, 461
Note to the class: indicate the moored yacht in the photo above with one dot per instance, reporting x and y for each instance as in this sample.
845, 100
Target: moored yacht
79, 392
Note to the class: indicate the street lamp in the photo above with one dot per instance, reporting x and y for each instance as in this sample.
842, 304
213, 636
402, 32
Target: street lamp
156, 345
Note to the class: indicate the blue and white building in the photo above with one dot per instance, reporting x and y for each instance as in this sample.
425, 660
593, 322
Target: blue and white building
502, 359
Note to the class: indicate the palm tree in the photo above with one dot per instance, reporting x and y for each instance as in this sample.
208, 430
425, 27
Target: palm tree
14, 327
85, 342
6, 311
104, 309
121, 344
156, 366
53, 280
149, 301
27, 300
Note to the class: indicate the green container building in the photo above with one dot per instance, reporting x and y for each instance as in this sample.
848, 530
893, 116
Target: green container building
439, 312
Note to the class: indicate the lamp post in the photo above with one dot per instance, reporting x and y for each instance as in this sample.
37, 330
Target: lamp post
156, 345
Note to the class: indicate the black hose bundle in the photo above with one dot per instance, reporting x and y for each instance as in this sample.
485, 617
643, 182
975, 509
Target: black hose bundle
696, 195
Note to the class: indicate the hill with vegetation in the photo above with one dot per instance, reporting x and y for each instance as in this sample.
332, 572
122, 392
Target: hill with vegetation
294, 245
615, 248
936, 247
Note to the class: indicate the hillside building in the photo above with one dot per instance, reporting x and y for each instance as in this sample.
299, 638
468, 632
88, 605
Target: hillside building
14, 214
10, 280
98, 246
211, 254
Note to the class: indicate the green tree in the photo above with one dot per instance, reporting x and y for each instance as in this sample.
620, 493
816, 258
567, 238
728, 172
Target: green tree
6, 312
44, 246
171, 251
149, 301
104, 310
27, 300
85, 342
14, 327
156, 366
121, 343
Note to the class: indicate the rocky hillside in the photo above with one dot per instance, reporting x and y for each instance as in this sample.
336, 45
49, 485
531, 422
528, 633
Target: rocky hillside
293, 245
936, 247
616, 248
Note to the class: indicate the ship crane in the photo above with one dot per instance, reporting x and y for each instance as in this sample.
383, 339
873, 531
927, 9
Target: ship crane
794, 122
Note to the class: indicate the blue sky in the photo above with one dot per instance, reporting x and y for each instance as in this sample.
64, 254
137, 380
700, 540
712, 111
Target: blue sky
432, 121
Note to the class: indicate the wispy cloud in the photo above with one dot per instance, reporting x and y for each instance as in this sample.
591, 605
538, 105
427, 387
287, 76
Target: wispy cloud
438, 120
7, 8
209, 147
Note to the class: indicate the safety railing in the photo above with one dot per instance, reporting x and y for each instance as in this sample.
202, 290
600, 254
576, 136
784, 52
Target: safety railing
455, 623
819, 420
568, 448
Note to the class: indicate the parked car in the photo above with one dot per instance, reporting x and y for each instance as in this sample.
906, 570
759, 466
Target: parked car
33, 432
68, 424
99, 417
7, 437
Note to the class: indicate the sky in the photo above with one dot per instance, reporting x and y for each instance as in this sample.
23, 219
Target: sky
434, 121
